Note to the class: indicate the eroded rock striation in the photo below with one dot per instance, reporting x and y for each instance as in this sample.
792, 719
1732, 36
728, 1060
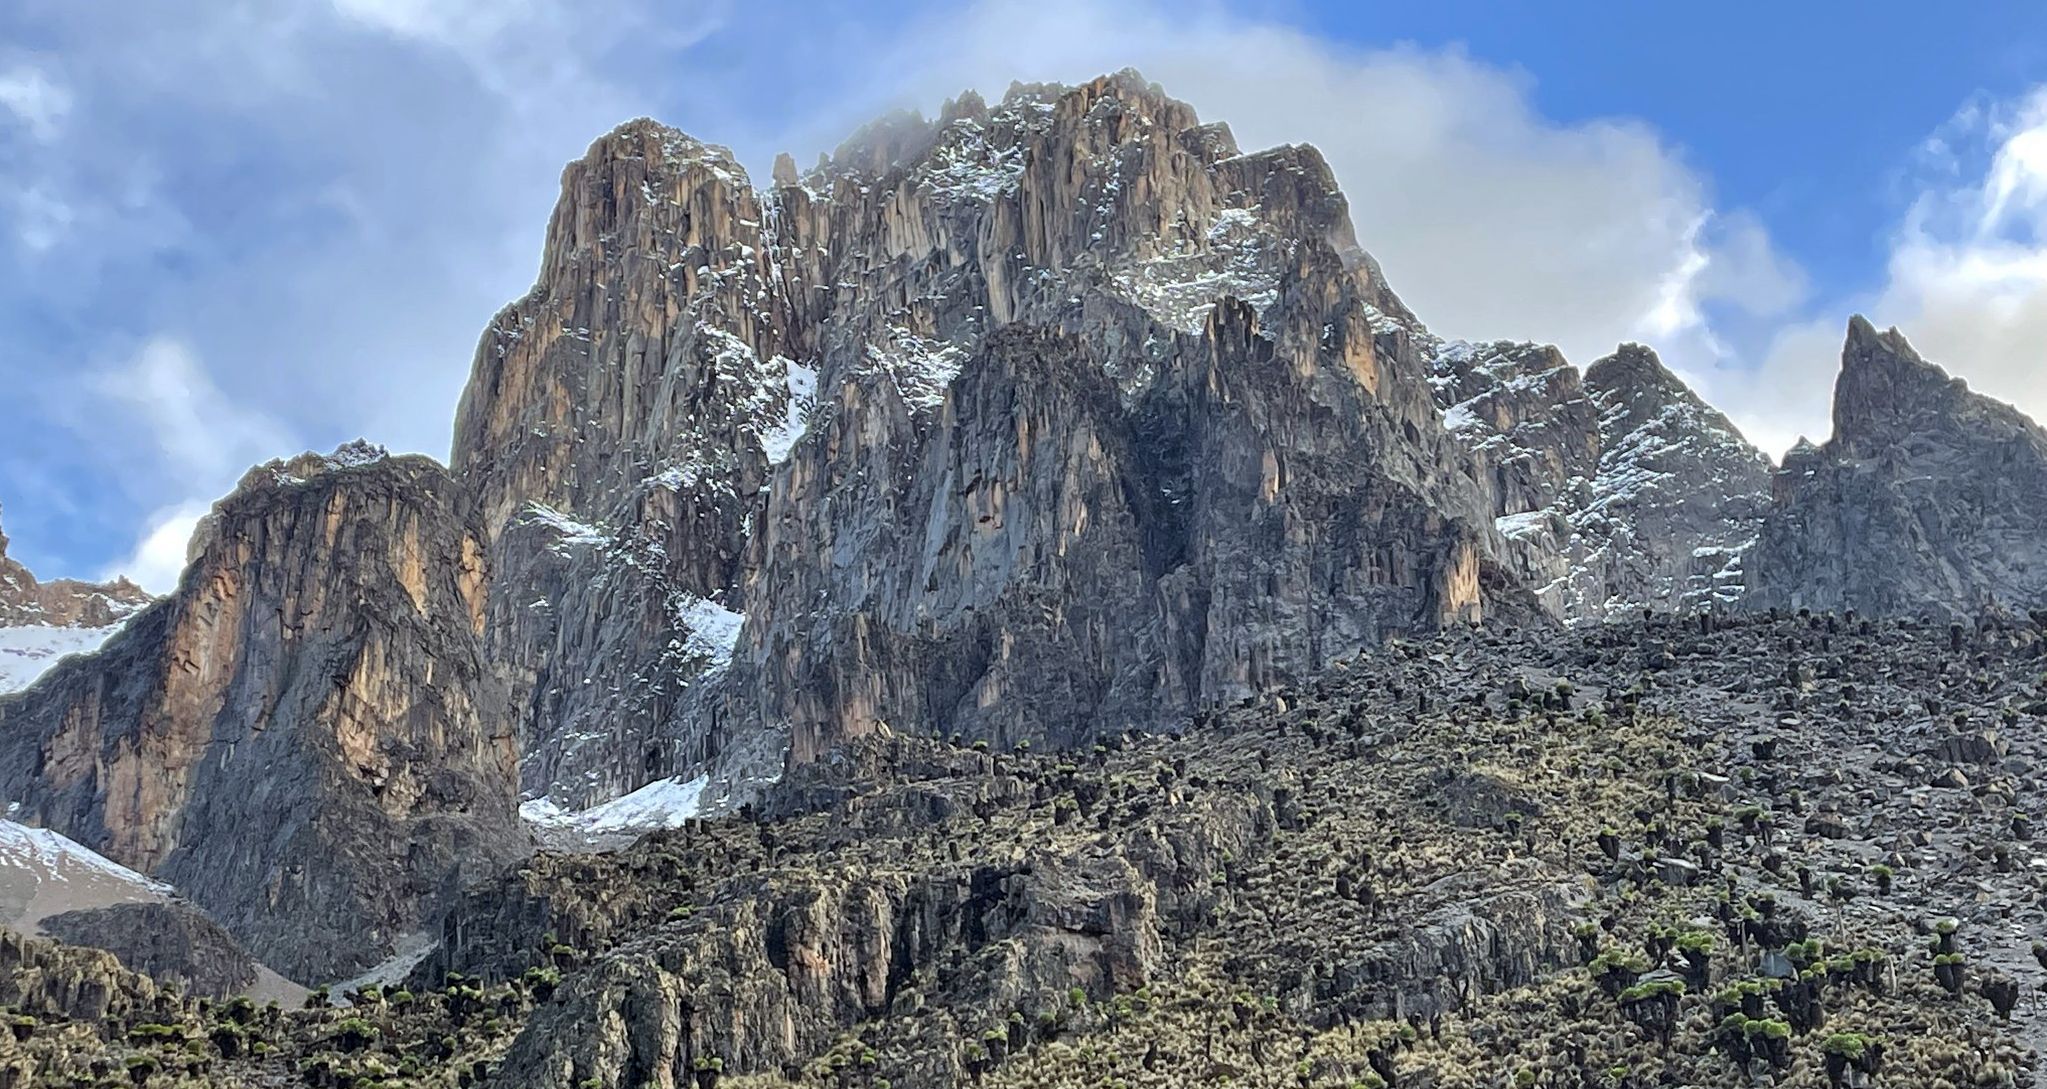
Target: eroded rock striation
1061, 389
298, 738
617, 428
1928, 497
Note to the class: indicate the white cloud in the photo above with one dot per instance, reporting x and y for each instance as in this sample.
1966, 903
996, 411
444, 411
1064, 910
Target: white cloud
446, 21
1966, 280
167, 418
1489, 219
158, 558
39, 104
41, 219
195, 430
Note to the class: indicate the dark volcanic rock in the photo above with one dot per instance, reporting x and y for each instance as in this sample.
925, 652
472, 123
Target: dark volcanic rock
1928, 497
168, 942
297, 739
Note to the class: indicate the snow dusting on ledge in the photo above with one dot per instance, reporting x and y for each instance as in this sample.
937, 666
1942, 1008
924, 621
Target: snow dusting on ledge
54, 857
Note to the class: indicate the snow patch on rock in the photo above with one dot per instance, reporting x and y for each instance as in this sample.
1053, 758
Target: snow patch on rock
802, 392
714, 629
27, 652
53, 857
922, 368
664, 803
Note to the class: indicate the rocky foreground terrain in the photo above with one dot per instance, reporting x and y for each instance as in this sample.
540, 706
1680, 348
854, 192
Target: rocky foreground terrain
1704, 851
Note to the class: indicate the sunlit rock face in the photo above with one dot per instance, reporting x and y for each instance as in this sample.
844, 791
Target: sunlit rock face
298, 737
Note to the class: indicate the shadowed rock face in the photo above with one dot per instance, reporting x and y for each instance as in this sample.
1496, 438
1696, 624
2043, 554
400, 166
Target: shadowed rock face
170, 943
1059, 556
1928, 497
297, 737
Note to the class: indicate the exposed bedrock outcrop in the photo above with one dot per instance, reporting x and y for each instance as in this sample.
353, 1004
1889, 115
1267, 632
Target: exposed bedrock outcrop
298, 739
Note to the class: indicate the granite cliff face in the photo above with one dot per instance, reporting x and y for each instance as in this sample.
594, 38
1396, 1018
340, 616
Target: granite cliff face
1063, 387
41, 622
297, 738
617, 428
1615, 491
1928, 497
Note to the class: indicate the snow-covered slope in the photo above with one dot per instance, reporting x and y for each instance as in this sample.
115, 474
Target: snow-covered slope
27, 652
43, 874
664, 803
41, 623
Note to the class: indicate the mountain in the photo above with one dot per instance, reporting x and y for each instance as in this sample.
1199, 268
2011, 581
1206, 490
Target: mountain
1927, 498
1035, 417
1617, 490
615, 433
297, 737
41, 623
1053, 433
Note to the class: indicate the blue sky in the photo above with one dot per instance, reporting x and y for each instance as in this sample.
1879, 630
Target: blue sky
234, 229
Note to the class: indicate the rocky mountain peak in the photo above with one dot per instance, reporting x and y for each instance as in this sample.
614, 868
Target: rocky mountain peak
653, 432
1928, 497
1615, 491
310, 465
41, 622
1641, 400
1885, 390
1636, 375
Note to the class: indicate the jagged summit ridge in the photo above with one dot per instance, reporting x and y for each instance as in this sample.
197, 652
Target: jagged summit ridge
746, 391
1928, 496
1616, 490
42, 622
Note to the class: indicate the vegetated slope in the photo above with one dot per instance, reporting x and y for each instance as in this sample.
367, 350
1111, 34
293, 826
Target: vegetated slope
1675, 852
